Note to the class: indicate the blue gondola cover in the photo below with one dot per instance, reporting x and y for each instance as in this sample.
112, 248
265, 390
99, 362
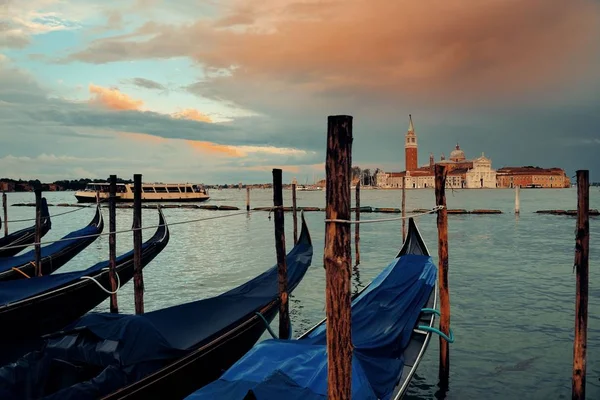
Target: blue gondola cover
383, 318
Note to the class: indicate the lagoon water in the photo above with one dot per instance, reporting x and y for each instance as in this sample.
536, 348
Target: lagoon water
512, 286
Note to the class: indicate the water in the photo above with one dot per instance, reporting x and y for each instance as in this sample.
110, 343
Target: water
512, 286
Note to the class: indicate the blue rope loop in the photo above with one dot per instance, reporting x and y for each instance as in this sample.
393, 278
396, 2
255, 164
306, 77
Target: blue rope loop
273, 335
449, 339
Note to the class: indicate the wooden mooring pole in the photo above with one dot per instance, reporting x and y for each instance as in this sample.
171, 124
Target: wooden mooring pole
403, 209
442, 225
295, 212
338, 257
112, 242
138, 278
248, 198
284, 312
5, 208
517, 200
38, 230
582, 248
357, 226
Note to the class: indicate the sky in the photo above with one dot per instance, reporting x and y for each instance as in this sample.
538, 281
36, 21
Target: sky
224, 91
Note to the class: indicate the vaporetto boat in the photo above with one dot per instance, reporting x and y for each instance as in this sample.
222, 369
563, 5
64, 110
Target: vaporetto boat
151, 192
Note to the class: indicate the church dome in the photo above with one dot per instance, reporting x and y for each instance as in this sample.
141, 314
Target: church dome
457, 154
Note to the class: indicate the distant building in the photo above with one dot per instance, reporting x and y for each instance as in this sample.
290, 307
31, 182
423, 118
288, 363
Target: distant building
462, 173
510, 177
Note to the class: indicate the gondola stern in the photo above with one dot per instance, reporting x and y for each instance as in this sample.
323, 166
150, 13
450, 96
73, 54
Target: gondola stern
46, 221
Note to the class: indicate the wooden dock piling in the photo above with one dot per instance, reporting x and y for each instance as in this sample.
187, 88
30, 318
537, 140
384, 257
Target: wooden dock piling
5, 208
357, 226
403, 209
442, 225
138, 279
112, 242
38, 230
295, 212
248, 198
517, 200
582, 248
338, 257
284, 312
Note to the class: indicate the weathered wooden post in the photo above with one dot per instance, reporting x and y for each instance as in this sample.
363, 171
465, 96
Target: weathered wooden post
403, 209
295, 211
517, 200
338, 257
38, 230
5, 208
247, 198
112, 242
442, 225
138, 279
284, 313
582, 248
357, 225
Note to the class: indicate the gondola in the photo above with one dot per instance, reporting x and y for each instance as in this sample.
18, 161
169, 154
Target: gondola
33, 307
15, 242
54, 255
163, 354
392, 320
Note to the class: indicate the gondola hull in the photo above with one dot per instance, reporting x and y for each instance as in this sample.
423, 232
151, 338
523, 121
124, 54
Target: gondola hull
52, 262
19, 240
202, 366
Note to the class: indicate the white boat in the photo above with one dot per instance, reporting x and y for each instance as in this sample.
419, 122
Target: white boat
151, 192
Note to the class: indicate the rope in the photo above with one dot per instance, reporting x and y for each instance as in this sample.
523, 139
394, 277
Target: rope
370, 221
21, 272
449, 339
426, 328
100, 285
273, 335
124, 231
59, 214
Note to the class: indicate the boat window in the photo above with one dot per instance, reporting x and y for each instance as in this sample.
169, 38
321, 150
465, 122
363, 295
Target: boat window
160, 189
172, 189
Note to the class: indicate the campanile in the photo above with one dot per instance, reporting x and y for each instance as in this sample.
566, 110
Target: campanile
410, 147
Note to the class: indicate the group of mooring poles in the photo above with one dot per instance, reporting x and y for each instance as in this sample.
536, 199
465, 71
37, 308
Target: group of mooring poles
138, 278
337, 258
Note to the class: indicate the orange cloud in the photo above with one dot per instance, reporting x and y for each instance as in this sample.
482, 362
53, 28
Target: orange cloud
142, 137
193, 114
214, 148
113, 98
392, 48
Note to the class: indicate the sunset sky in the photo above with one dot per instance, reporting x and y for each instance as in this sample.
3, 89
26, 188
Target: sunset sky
222, 91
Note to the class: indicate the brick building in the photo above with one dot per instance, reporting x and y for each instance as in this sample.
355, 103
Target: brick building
510, 177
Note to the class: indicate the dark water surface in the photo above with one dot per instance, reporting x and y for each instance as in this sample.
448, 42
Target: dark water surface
512, 286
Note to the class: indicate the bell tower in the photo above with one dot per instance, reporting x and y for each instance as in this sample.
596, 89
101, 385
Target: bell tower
410, 147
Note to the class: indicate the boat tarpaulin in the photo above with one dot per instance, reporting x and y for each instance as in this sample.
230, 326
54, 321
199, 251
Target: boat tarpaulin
383, 318
7, 263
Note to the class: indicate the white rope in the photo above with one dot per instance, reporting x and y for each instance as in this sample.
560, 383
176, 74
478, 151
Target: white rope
79, 208
124, 231
100, 285
370, 221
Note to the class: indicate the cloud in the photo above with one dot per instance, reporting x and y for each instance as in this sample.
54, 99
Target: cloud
113, 98
192, 114
147, 84
23, 19
388, 50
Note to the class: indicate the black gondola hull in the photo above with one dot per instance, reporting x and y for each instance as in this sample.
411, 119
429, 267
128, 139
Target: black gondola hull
53, 262
24, 237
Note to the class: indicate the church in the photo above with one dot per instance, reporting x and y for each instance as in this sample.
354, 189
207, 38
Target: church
462, 173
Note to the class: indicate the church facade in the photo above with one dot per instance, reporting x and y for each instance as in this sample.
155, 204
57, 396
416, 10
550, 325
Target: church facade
462, 172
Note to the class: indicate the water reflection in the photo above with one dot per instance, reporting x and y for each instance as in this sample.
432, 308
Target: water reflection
357, 285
